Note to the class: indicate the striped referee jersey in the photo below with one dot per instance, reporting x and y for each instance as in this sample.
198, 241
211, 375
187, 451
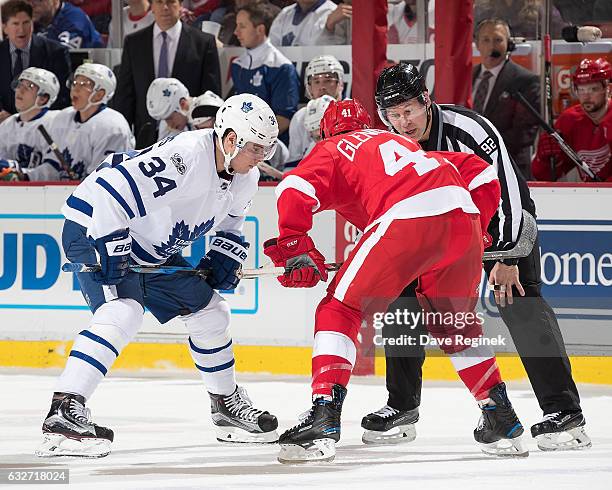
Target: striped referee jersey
456, 128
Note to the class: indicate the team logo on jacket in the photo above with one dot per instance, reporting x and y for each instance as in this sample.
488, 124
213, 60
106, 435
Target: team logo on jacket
177, 161
256, 80
181, 236
247, 106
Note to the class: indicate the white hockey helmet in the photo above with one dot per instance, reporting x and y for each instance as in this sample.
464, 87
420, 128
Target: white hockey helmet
164, 97
203, 107
253, 122
314, 112
46, 82
102, 77
325, 63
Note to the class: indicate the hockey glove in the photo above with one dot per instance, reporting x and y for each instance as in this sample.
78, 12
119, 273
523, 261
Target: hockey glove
548, 147
9, 170
224, 259
304, 264
114, 251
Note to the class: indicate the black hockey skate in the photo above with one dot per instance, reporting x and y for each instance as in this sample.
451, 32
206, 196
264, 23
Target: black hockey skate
390, 426
561, 431
499, 429
314, 438
236, 420
69, 431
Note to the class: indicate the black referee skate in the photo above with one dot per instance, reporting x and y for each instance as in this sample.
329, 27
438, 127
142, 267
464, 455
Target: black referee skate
561, 431
499, 429
390, 426
236, 420
69, 431
314, 438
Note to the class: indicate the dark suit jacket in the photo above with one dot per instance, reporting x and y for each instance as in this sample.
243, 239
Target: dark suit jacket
516, 125
196, 64
44, 53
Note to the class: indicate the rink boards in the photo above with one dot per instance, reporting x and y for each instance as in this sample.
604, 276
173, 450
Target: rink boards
41, 308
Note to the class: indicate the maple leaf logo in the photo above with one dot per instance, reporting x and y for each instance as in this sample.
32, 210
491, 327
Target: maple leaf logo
181, 236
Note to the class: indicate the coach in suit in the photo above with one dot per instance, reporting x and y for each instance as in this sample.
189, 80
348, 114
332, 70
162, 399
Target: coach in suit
21, 49
493, 83
167, 48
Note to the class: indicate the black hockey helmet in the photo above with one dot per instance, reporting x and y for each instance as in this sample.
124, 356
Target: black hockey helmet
397, 84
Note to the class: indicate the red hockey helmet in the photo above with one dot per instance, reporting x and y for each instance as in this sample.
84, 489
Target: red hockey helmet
343, 116
589, 71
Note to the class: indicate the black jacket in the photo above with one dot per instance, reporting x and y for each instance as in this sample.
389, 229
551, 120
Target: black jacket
44, 53
196, 64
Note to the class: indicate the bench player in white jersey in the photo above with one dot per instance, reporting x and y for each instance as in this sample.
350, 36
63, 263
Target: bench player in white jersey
169, 102
21, 144
144, 207
324, 76
89, 130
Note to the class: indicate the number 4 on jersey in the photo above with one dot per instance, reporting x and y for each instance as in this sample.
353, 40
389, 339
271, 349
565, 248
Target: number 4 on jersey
395, 157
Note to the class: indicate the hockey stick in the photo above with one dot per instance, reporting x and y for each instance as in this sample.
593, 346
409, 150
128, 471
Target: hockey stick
524, 244
270, 170
548, 94
58, 154
163, 269
567, 149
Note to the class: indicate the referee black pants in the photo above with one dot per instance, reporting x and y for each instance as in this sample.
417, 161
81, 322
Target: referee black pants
534, 330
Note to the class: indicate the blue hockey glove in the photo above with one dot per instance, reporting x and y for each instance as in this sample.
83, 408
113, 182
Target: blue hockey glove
225, 258
114, 250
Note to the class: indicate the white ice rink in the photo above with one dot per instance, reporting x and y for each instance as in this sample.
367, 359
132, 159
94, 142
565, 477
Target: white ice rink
164, 439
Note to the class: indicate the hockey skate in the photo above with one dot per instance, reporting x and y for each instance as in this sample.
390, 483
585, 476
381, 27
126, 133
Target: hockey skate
561, 431
390, 426
69, 431
236, 420
499, 429
314, 438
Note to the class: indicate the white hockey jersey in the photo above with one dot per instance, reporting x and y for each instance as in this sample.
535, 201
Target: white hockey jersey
130, 24
22, 142
84, 145
299, 139
291, 28
168, 195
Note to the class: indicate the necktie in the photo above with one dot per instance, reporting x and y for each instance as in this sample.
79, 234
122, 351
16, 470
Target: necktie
481, 93
162, 68
18, 68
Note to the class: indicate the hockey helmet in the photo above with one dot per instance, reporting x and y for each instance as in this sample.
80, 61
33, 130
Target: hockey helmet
589, 71
164, 97
253, 122
102, 77
203, 107
46, 82
321, 65
314, 112
398, 84
343, 116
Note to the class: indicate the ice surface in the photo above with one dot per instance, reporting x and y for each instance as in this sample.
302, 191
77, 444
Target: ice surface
164, 439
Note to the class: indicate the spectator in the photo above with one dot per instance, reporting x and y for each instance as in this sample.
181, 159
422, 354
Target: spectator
136, 15
263, 70
166, 48
21, 145
312, 22
586, 127
402, 21
195, 11
324, 76
493, 81
63, 22
20, 50
98, 11
89, 130
168, 101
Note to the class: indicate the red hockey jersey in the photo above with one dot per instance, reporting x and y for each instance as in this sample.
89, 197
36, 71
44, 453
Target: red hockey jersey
369, 176
592, 142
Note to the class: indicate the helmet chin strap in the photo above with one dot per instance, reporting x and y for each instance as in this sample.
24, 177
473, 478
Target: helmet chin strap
228, 157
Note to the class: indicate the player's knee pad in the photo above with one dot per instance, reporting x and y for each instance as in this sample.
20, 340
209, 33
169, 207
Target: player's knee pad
333, 315
209, 327
112, 327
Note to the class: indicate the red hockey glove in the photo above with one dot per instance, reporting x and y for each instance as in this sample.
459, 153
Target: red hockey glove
304, 264
548, 147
